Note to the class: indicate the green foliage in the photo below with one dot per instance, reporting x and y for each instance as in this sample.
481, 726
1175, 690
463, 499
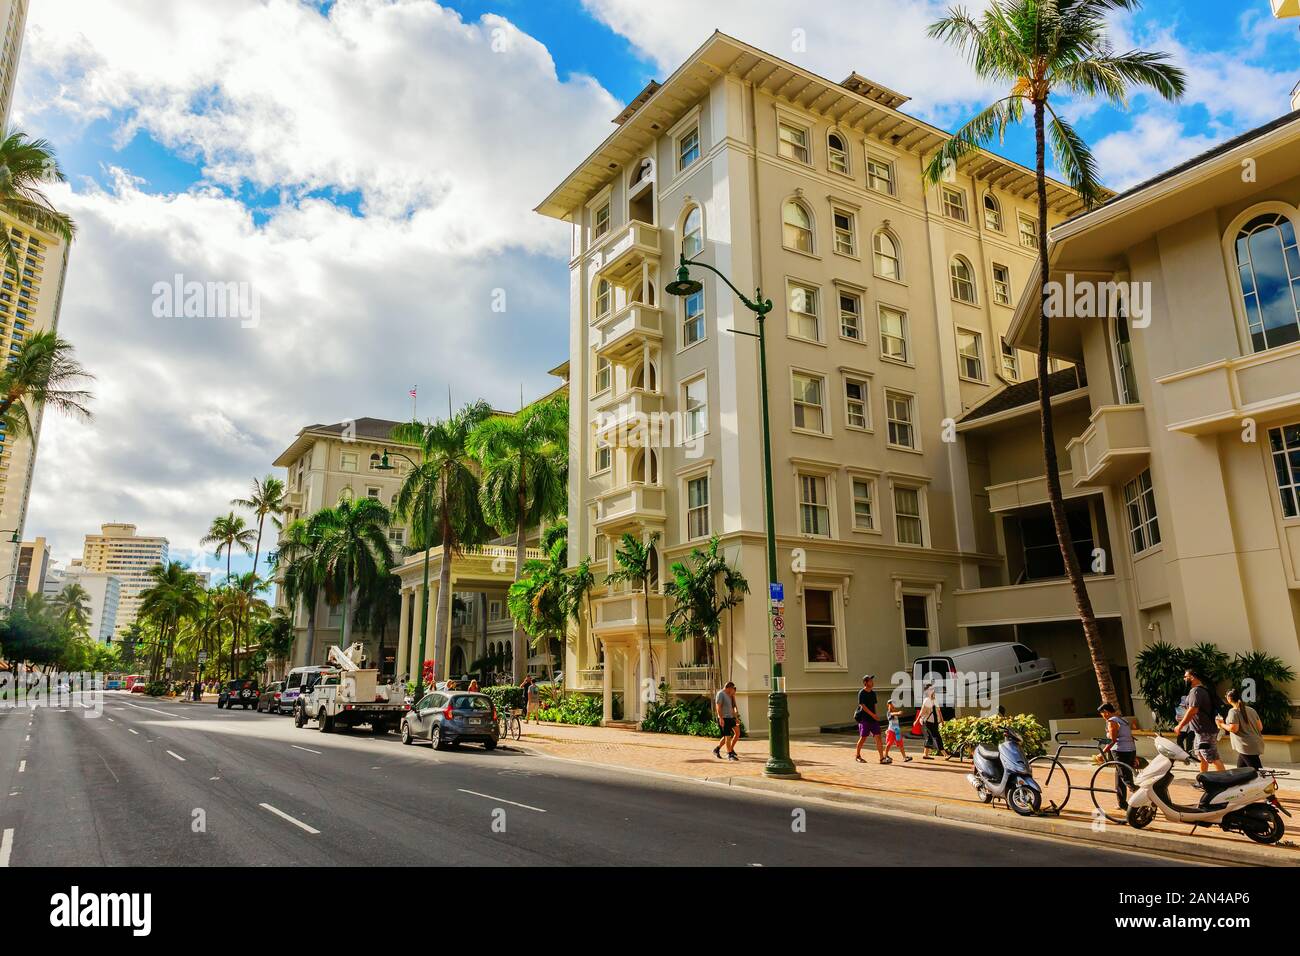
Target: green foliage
505, 696
585, 710
692, 716
964, 733
1161, 666
702, 589
1159, 674
1257, 675
157, 688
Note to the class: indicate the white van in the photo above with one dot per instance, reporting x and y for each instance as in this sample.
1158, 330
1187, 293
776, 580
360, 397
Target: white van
973, 666
297, 683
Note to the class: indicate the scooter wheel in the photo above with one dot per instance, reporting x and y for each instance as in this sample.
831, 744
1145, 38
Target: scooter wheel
1138, 817
984, 796
1024, 800
1271, 833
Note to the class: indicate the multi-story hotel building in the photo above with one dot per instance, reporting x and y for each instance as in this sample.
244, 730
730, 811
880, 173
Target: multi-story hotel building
893, 302
33, 564
105, 597
30, 298
118, 551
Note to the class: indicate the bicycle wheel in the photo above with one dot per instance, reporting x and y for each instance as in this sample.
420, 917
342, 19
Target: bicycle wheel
1112, 785
1054, 781
516, 728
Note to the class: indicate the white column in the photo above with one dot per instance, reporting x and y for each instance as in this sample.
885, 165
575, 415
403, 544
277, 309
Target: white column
607, 686
403, 635
643, 672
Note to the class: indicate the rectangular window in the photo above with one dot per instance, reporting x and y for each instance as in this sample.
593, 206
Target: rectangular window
954, 204
809, 411
916, 623
1028, 231
348, 461
604, 456
820, 626
1284, 442
1001, 284
814, 506
695, 399
697, 507
846, 233
600, 549
693, 319
801, 312
600, 222
898, 411
851, 316
494, 610
857, 411
970, 354
1140, 501
372, 494
880, 176
864, 517
604, 374
893, 334
908, 526
1010, 361
688, 149
397, 536
792, 143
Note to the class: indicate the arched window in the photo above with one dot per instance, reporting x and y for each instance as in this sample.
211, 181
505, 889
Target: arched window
693, 233
992, 212
963, 286
798, 232
837, 154
889, 264
604, 298
1269, 266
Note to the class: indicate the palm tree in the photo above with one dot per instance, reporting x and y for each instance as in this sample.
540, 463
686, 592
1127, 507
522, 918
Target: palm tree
1037, 48
43, 372
447, 479
542, 600
701, 592
301, 561
356, 550
25, 166
635, 560
378, 606
274, 634
525, 459
72, 606
227, 533
266, 498
243, 602
172, 596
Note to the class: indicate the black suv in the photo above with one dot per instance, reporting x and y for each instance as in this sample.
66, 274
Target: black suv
238, 693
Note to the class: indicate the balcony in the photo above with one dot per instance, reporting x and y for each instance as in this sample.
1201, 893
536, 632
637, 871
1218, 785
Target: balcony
1216, 397
625, 613
1113, 447
1035, 601
690, 679
1028, 492
629, 506
623, 334
624, 421
629, 251
591, 678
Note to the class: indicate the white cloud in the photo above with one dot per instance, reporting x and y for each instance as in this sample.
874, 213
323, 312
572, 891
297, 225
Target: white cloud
446, 130
1152, 144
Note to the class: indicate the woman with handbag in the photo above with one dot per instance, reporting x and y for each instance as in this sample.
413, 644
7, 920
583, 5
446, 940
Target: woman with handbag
928, 721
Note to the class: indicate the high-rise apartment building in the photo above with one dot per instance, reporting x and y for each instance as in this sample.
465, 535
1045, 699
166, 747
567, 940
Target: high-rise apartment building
105, 597
117, 550
33, 564
13, 21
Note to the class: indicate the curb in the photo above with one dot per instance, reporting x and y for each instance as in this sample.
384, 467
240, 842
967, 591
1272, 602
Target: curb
1118, 836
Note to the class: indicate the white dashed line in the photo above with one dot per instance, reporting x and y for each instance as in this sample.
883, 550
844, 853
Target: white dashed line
308, 749
285, 816
177, 756
488, 796
6, 846
130, 730
154, 710
22, 766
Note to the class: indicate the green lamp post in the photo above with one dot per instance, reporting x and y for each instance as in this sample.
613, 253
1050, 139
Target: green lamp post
424, 599
779, 763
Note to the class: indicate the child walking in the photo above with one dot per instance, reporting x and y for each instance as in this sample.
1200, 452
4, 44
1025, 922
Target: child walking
894, 738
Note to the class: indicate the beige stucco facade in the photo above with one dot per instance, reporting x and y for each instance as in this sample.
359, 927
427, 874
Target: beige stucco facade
871, 489
118, 550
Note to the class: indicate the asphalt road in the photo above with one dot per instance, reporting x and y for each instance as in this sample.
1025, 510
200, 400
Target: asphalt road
161, 783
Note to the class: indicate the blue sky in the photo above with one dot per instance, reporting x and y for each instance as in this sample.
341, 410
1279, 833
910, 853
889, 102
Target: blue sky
370, 166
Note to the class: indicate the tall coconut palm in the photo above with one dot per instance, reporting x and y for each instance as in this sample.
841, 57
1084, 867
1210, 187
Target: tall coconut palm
302, 564
702, 589
357, 551
378, 605
43, 373
72, 606
1039, 48
26, 165
243, 604
266, 499
525, 461
227, 533
447, 475
172, 595
635, 560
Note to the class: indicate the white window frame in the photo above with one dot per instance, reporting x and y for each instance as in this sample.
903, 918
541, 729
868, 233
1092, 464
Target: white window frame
1126, 388
922, 518
603, 305
1141, 497
964, 356
689, 319
927, 597
703, 380
910, 422
840, 295
811, 228
998, 223
707, 477
796, 403
873, 501
853, 378
840, 662
877, 256
679, 151
1010, 357
828, 485
688, 234
890, 179
606, 372
1028, 237
786, 121
850, 235
1279, 454
906, 337
846, 152
790, 313
606, 206
954, 203
597, 447
349, 461
1001, 287
955, 282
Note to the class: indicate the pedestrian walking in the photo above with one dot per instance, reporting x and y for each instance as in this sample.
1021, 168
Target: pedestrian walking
894, 734
1121, 746
867, 720
531, 696
1201, 718
1245, 728
724, 705
930, 717
1186, 739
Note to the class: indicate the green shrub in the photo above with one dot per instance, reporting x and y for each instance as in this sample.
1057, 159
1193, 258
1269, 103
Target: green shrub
1160, 670
692, 716
157, 688
584, 710
505, 696
964, 733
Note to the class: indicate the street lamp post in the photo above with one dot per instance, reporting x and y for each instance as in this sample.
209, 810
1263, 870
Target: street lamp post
424, 598
778, 763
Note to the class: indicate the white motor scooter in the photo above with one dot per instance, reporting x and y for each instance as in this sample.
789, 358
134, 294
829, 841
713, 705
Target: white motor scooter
1242, 800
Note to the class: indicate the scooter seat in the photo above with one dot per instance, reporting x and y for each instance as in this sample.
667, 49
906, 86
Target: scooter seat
1222, 779
988, 753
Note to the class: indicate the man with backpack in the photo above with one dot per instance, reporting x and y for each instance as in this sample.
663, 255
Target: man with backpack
1201, 717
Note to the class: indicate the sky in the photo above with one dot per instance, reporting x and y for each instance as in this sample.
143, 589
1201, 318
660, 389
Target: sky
367, 171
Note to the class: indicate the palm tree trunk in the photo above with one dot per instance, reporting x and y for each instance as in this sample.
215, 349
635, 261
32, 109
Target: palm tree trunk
346, 633
520, 661
1082, 601
311, 630
441, 619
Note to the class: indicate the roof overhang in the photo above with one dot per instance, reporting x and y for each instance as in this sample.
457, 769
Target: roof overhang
856, 104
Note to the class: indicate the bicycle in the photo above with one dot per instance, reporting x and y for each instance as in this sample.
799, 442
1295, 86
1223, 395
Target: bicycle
510, 724
1112, 779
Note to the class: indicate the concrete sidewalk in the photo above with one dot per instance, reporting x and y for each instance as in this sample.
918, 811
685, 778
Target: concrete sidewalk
936, 788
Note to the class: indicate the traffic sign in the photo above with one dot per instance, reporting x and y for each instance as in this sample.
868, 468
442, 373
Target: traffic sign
778, 650
776, 591
203, 656
778, 623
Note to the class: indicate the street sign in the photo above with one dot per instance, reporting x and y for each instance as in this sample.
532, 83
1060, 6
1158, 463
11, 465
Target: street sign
778, 623
203, 656
776, 591
778, 650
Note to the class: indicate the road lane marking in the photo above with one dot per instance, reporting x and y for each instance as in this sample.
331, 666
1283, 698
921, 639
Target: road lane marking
177, 756
285, 816
131, 730
6, 846
22, 766
155, 710
488, 796
308, 749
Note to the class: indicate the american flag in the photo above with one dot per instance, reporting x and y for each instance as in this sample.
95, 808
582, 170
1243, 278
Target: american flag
412, 391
